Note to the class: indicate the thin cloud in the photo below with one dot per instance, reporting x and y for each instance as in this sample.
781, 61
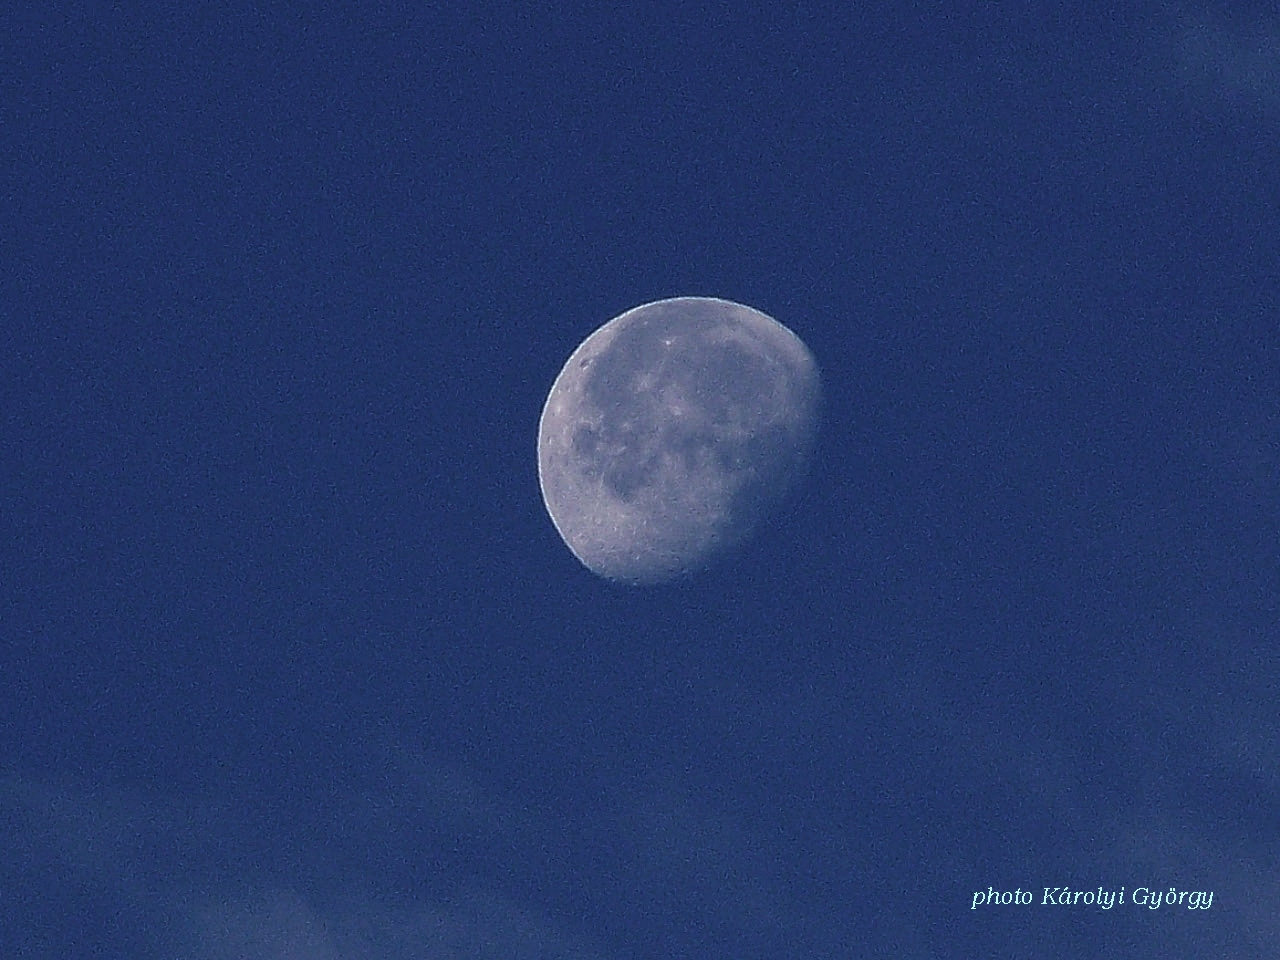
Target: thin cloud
1237, 64
162, 878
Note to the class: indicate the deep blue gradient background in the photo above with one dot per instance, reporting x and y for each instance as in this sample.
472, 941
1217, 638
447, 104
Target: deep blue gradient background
292, 661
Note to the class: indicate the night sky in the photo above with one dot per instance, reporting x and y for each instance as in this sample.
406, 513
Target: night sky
293, 663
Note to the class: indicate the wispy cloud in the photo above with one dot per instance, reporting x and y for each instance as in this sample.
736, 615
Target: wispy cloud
1236, 62
165, 878
431, 862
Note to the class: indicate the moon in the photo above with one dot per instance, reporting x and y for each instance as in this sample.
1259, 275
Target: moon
672, 432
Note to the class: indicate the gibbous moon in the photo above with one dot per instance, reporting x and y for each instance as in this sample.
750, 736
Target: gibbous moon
672, 432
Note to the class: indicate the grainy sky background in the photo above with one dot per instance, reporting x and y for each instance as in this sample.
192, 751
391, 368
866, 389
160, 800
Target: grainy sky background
293, 663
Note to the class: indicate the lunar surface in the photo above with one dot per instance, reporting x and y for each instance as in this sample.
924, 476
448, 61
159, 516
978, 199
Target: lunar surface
672, 432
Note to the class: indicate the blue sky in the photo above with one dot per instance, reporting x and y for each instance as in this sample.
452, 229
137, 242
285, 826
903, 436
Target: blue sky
293, 662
